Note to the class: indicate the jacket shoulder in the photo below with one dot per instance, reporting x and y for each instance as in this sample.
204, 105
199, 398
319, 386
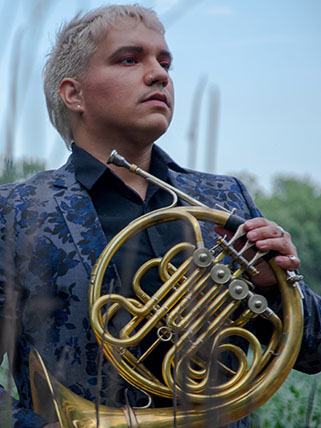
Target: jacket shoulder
217, 190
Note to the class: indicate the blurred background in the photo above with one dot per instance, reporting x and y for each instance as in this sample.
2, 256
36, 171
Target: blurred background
248, 102
247, 76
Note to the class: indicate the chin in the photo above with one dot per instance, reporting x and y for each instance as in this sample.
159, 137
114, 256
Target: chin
155, 134
157, 128
149, 130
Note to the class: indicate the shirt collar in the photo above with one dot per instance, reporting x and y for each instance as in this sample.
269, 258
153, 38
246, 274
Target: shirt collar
88, 169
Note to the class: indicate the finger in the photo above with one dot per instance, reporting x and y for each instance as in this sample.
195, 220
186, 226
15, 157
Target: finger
256, 222
266, 231
283, 246
288, 262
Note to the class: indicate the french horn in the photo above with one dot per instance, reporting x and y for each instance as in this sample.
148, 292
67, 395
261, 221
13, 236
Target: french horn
215, 368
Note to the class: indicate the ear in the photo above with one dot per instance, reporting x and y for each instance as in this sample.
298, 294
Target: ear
70, 93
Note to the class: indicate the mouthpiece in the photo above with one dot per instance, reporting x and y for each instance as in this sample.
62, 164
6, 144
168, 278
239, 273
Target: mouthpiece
118, 160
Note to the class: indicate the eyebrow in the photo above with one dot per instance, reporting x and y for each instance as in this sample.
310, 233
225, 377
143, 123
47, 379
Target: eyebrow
138, 49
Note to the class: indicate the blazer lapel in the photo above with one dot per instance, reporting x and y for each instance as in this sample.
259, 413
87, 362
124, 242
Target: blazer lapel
81, 219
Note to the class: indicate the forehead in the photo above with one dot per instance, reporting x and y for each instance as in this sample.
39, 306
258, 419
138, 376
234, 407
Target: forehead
127, 32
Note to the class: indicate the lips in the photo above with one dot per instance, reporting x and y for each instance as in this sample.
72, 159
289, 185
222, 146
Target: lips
157, 96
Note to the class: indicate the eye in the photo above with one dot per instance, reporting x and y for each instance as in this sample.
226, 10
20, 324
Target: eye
128, 60
166, 64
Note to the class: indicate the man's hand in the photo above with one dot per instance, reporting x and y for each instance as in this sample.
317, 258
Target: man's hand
268, 236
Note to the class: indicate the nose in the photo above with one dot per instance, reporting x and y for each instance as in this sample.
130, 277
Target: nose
157, 75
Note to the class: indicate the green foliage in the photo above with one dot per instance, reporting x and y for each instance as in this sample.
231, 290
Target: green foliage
19, 170
297, 404
5, 379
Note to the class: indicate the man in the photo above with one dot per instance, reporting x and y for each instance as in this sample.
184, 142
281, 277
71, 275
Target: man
107, 86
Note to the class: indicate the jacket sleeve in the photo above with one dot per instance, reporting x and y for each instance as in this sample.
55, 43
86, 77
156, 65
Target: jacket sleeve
309, 358
253, 209
11, 410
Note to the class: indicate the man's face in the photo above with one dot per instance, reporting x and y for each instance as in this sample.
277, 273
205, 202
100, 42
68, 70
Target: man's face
127, 91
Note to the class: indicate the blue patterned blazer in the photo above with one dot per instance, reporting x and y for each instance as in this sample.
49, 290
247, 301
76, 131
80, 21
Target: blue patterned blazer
50, 239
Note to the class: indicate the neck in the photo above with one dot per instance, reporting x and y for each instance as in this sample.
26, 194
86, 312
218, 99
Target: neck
139, 155
140, 158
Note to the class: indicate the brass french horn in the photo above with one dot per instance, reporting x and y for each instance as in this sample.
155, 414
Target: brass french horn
203, 310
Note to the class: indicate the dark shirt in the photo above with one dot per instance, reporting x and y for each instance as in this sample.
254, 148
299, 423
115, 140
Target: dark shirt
117, 205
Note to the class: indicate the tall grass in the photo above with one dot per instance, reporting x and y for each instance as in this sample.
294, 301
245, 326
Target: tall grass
5, 380
297, 404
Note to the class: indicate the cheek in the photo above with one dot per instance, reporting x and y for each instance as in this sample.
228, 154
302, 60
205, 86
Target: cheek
171, 92
96, 89
96, 86
109, 93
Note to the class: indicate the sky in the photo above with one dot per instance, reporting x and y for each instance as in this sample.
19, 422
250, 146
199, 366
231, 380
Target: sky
253, 68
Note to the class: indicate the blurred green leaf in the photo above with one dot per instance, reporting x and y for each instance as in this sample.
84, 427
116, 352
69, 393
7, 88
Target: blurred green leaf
19, 169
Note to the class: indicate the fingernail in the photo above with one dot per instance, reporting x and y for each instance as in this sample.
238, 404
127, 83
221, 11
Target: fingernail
261, 245
252, 235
